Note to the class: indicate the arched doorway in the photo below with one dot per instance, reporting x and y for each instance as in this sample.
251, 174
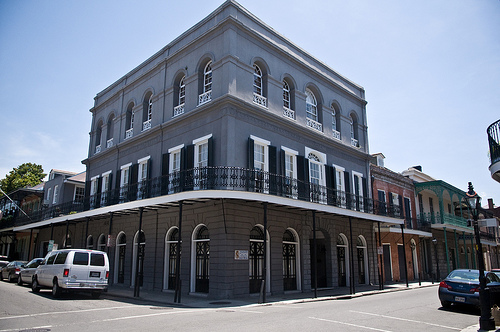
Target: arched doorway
170, 270
139, 247
200, 260
291, 259
342, 261
121, 246
362, 260
319, 263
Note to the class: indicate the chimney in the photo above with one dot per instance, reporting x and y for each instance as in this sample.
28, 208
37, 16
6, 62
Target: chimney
491, 206
418, 168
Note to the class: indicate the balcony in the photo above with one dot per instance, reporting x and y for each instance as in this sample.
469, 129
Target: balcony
336, 134
129, 133
445, 219
178, 110
205, 98
260, 100
354, 142
288, 113
109, 143
314, 125
494, 143
98, 148
146, 125
216, 178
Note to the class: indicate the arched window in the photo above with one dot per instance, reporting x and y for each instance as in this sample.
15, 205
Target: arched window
317, 177
171, 254
362, 260
129, 121
207, 78
110, 131
121, 246
335, 122
90, 242
147, 111
258, 87
291, 279
342, 260
98, 135
139, 247
200, 275
286, 95
354, 132
257, 80
182, 91
101, 242
311, 106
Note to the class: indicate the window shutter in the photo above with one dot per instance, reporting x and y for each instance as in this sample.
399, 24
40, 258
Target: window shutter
272, 169
118, 179
99, 190
303, 177
400, 202
391, 205
282, 163
165, 164
365, 193
133, 176
211, 152
329, 178
335, 194
348, 195
188, 174
250, 153
87, 195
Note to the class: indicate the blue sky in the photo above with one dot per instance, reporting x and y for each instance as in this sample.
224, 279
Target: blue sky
431, 71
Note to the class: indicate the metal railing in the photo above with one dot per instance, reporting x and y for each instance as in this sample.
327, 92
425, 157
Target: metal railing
494, 142
221, 178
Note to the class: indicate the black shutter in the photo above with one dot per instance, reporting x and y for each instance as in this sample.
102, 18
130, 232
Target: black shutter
303, 178
365, 194
87, 198
210, 174
282, 179
391, 205
189, 177
250, 153
133, 175
272, 170
250, 176
99, 191
165, 164
118, 179
348, 195
329, 178
149, 178
400, 201
335, 194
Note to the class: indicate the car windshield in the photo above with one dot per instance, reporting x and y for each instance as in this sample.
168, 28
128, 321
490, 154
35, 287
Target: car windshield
464, 275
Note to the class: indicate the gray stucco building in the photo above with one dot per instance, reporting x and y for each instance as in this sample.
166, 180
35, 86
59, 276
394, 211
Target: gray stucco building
240, 157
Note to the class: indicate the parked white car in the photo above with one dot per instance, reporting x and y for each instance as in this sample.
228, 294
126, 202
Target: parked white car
73, 270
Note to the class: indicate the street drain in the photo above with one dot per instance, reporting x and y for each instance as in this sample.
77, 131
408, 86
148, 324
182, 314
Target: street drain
160, 308
35, 330
223, 310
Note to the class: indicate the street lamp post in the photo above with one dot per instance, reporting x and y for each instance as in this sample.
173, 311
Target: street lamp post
435, 242
486, 322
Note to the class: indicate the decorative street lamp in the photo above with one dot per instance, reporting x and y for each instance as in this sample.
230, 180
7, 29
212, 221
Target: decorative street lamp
486, 322
435, 242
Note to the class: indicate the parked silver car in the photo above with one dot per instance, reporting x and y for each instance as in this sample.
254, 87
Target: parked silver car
11, 271
27, 272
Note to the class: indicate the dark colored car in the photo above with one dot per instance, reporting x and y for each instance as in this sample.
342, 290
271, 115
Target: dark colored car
462, 287
11, 271
27, 272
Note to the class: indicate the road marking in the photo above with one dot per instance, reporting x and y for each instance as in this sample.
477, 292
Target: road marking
407, 320
64, 312
349, 324
41, 328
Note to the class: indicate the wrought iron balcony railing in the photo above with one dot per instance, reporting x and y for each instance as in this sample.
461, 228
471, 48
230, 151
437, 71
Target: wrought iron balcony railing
494, 142
220, 178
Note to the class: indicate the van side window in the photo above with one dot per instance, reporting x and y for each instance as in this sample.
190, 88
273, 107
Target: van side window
61, 258
51, 258
81, 258
97, 259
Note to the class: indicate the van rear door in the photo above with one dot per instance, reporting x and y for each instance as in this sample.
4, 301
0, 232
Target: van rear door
98, 267
80, 269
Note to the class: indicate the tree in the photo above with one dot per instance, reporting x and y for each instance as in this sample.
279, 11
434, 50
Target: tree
25, 175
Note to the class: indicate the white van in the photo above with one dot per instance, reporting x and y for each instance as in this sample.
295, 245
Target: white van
73, 270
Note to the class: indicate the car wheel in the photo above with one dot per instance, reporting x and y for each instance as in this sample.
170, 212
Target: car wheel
19, 280
1, 276
56, 290
35, 287
446, 304
96, 295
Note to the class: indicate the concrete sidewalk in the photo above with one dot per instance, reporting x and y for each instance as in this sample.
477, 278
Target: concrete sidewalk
200, 301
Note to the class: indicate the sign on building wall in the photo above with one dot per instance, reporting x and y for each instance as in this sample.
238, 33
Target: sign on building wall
241, 255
